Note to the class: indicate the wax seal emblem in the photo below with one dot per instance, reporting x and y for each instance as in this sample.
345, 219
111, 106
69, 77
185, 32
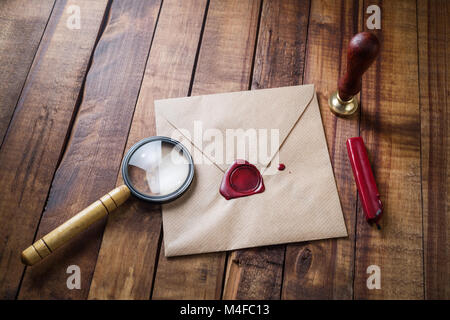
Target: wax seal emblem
240, 180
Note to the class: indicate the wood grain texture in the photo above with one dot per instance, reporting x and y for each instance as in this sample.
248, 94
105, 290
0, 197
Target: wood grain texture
129, 251
405, 121
22, 24
224, 65
279, 61
33, 145
390, 127
324, 269
90, 165
434, 59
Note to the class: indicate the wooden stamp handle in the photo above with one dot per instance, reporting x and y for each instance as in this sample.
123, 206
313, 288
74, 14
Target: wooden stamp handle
362, 51
80, 222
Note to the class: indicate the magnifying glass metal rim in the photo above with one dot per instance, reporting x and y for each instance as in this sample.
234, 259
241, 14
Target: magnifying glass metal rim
170, 196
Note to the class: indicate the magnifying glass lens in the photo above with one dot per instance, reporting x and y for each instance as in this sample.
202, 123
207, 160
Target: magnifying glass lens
158, 168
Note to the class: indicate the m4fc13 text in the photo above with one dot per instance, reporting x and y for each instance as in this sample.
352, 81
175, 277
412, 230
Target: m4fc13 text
233, 309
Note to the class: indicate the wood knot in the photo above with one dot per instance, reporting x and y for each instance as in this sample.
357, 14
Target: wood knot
303, 263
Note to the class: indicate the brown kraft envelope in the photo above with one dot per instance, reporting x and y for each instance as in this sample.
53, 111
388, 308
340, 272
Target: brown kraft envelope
300, 203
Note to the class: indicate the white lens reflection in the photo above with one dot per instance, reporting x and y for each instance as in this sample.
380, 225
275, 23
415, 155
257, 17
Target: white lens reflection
157, 168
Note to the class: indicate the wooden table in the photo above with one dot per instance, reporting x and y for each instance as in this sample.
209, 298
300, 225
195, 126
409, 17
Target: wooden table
74, 99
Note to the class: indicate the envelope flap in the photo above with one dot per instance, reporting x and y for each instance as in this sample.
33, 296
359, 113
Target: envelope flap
203, 119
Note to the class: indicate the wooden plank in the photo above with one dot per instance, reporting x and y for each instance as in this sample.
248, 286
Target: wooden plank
22, 24
224, 65
129, 251
390, 127
94, 151
434, 56
324, 269
37, 133
280, 56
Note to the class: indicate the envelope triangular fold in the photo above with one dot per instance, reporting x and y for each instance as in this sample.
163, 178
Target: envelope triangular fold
237, 113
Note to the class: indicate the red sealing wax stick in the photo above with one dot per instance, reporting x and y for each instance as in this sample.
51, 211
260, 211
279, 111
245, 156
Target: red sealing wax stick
362, 172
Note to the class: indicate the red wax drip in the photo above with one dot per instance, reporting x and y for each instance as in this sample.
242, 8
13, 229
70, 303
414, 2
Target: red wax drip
281, 167
240, 180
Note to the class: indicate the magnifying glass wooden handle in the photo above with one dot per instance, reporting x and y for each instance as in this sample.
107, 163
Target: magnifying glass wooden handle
80, 222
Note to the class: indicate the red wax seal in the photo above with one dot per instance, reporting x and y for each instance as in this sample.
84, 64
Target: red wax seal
240, 180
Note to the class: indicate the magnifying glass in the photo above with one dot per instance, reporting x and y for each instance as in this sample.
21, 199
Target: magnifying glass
156, 169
